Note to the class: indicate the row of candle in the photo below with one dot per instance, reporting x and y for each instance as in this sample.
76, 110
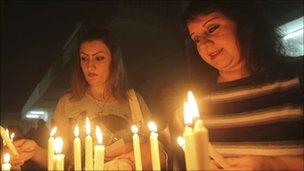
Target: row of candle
99, 149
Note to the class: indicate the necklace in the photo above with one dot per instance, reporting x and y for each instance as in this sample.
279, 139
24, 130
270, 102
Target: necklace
100, 103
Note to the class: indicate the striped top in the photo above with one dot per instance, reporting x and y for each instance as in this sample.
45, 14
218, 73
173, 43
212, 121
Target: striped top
247, 118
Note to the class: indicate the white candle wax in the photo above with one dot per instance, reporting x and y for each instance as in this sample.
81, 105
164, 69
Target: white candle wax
77, 149
58, 158
202, 145
154, 146
6, 166
136, 148
88, 147
51, 149
99, 151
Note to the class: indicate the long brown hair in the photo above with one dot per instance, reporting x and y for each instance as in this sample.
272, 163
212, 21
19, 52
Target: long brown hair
116, 83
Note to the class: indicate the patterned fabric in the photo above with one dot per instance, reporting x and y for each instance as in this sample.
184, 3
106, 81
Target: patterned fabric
247, 118
113, 117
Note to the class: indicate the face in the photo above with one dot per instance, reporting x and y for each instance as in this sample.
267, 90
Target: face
216, 42
95, 60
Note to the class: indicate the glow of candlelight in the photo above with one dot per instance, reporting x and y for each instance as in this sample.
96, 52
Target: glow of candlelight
6, 158
98, 135
152, 126
76, 131
12, 136
58, 144
188, 118
134, 129
180, 141
192, 105
88, 126
53, 131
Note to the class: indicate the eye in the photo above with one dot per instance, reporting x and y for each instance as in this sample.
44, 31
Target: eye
83, 58
213, 27
196, 39
99, 58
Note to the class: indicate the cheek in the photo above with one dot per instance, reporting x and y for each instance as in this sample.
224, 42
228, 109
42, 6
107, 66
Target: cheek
203, 54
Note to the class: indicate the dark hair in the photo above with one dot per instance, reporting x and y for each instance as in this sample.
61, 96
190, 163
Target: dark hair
116, 83
259, 41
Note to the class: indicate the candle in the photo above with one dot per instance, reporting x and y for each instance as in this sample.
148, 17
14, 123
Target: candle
136, 148
51, 149
77, 149
154, 146
7, 134
6, 166
88, 147
59, 158
99, 150
181, 142
12, 137
201, 137
189, 149
6, 139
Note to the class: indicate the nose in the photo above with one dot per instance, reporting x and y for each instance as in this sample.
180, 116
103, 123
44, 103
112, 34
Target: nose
204, 41
91, 65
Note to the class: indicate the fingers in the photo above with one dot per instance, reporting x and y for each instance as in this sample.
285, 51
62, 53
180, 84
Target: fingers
214, 165
19, 142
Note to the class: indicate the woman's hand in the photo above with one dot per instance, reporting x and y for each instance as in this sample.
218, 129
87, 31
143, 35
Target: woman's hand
259, 163
26, 149
117, 149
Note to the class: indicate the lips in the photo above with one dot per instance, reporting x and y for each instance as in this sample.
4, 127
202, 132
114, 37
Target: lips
92, 74
214, 54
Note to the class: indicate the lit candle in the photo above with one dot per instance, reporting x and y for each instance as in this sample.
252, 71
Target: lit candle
6, 140
12, 137
99, 150
181, 142
51, 149
88, 147
59, 158
7, 134
77, 149
6, 166
200, 135
136, 148
154, 146
189, 149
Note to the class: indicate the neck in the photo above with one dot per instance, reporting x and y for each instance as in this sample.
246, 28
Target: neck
98, 92
226, 76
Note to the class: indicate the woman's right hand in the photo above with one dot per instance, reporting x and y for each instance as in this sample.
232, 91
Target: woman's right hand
26, 149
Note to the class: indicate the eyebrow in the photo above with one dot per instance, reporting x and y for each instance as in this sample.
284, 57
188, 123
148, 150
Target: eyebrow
93, 54
205, 23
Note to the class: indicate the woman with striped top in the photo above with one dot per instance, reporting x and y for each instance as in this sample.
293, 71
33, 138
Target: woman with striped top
254, 111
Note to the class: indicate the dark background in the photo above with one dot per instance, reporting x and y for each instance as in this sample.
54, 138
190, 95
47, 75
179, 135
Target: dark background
33, 33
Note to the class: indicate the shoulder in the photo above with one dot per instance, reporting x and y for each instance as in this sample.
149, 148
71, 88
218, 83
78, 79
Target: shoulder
65, 98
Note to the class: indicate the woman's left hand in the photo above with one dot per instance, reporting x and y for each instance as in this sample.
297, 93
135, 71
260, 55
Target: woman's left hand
248, 163
117, 149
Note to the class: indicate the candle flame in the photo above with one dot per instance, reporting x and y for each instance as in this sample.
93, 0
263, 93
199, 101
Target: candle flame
76, 131
7, 132
12, 136
187, 114
98, 135
152, 126
134, 129
53, 131
181, 141
58, 144
192, 105
6, 158
88, 126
